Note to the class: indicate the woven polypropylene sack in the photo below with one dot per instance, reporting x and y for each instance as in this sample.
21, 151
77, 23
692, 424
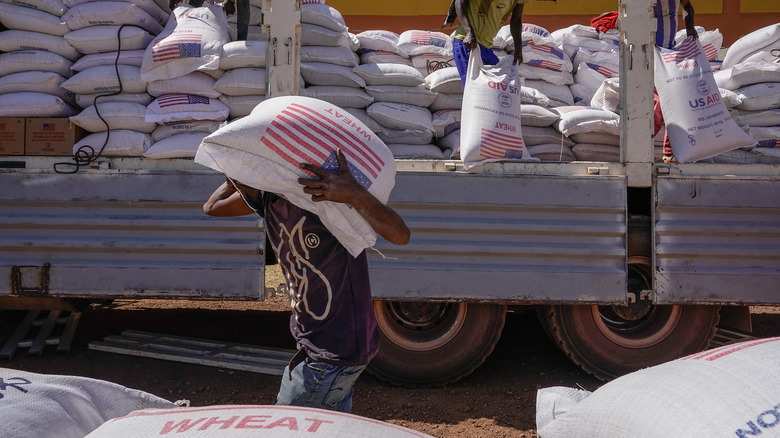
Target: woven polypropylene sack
192, 40
47, 405
240, 421
265, 149
697, 121
729, 391
491, 104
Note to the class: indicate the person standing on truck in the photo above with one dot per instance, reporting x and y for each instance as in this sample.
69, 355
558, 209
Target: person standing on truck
332, 318
666, 12
480, 21
230, 8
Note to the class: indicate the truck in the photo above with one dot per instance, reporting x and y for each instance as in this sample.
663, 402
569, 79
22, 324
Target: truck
627, 264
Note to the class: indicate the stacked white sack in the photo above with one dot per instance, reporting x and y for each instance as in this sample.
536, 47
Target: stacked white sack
594, 131
181, 66
242, 86
542, 139
328, 57
757, 87
111, 37
380, 47
428, 51
546, 68
595, 57
446, 108
35, 61
265, 149
400, 109
399, 113
759, 45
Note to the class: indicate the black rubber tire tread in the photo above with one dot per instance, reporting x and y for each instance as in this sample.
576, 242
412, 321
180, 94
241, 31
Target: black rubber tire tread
448, 363
575, 332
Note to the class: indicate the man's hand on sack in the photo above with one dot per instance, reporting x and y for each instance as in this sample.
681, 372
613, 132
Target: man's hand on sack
336, 186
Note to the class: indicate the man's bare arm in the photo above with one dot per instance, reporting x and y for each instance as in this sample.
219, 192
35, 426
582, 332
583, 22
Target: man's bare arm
340, 186
461, 8
226, 201
516, 29
690, 28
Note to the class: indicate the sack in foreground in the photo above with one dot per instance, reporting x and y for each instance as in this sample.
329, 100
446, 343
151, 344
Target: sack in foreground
264, 150
730, 391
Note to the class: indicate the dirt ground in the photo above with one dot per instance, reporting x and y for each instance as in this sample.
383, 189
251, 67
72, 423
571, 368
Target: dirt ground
497, 400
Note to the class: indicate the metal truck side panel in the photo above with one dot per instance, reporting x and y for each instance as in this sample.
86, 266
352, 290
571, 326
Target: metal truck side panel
717, 239
505, 238
111, 233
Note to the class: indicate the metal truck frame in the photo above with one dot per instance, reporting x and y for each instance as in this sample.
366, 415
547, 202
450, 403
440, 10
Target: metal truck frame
628, 263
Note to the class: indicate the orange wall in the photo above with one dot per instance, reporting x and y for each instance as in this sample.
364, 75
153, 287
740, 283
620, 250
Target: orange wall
734, 18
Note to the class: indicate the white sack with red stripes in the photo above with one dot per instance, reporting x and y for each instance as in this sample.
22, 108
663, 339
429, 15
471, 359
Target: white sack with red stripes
191, 40
697, 121
730, 391
491, 105
248, 421
265, 149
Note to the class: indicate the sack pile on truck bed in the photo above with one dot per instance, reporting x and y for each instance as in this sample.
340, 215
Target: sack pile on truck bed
183, 74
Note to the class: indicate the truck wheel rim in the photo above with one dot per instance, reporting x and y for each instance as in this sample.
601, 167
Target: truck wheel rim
421, 326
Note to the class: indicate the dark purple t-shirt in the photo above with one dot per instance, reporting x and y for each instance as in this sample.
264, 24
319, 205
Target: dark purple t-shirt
332, 309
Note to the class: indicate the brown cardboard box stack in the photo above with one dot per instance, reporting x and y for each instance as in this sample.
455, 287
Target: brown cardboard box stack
38, 136
12, 136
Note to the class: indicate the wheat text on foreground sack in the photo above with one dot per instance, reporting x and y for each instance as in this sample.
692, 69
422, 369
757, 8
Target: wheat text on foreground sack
238, 421
491, 129
730, 391
697, 121
264, 150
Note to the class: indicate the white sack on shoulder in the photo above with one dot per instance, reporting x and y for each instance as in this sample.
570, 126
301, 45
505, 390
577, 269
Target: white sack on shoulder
265, 149
491, 113
697, 121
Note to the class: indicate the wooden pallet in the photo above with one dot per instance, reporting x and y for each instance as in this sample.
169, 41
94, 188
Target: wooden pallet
45, 329
725, 337
197, 351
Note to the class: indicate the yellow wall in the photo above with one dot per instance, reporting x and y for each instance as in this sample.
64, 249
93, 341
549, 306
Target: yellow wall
757, 6
560, 7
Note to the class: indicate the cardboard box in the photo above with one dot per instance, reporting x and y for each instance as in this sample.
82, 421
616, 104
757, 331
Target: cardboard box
50, 136
12, 136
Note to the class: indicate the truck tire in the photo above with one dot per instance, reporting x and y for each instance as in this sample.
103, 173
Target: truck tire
427, 344
604, 342
609, 341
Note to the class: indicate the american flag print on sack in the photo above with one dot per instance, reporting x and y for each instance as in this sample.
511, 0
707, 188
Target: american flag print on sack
499, 145
544, 49
177, 46
301, 134
543, 63
608, 72
427, 39
711, 51
167, 100
686, 50
769, 143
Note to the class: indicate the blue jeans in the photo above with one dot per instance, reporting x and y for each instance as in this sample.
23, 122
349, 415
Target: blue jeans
461, 55
319, 385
